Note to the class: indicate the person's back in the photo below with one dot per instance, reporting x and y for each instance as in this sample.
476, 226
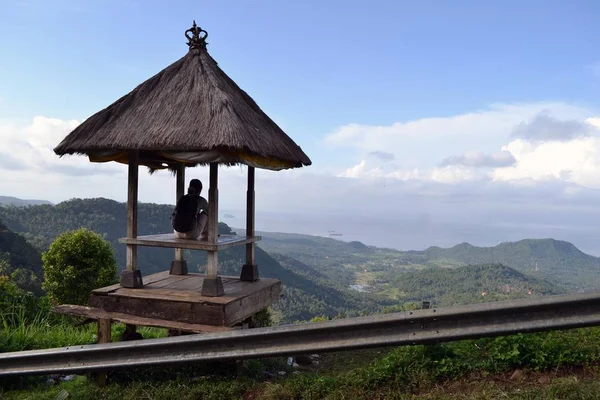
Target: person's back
190, 217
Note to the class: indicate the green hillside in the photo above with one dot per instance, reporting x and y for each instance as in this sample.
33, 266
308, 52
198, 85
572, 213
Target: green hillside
20, 261
306, 295
324, 276
468, 285
555, 260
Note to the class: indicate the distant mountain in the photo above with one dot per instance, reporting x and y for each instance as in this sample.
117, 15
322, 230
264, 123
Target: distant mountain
467, 285
350, 263
13, 201
555, 260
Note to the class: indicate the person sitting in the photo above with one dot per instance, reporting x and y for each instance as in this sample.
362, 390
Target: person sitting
190, 217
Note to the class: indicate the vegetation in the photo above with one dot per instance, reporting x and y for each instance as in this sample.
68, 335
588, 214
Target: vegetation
554, 260
306, 295
467, 285
20, 261
323, 276
77, 263
318, 274
551, 363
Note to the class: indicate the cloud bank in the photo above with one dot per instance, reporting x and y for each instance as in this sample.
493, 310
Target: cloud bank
525, 165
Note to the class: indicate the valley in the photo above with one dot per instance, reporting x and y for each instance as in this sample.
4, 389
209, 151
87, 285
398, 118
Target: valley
323, 276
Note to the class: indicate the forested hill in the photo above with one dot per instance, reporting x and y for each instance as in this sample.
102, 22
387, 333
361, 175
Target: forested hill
447, 287
323, 276
551, 259
306, 296
20, 260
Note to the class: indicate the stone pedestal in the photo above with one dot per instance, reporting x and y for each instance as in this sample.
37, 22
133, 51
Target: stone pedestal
249, 273
212, 287
178, 267
132, 279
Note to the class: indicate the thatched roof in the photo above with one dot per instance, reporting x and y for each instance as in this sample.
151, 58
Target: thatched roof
190, 112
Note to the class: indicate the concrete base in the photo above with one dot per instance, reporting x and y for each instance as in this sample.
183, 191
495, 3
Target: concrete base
178, 267
249, 273
212, 287
132, 279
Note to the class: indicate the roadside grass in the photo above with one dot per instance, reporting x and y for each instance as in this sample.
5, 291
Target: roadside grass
559, 386
468, 369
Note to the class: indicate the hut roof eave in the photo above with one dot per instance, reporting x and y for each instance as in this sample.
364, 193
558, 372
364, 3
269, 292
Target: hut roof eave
156, 160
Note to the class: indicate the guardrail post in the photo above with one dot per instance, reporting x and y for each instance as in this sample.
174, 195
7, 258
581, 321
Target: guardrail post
104, 336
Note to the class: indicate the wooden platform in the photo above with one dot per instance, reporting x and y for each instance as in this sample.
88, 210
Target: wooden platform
177, 298
169, 240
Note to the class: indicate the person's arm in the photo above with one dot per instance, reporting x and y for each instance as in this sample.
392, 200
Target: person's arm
203, 205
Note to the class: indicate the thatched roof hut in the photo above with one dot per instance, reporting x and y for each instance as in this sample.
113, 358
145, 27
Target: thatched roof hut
192, 113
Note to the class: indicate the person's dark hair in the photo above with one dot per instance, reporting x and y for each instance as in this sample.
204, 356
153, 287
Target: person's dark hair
195, 187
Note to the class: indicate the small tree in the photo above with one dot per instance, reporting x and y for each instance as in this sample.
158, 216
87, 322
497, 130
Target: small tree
76, 263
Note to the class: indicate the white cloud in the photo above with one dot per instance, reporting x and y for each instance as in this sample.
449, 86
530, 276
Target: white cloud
361, 170
595, 122
444, 174
424, 142
30, 148
576, 161
556, 142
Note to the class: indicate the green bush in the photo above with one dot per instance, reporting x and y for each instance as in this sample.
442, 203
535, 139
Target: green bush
76, 263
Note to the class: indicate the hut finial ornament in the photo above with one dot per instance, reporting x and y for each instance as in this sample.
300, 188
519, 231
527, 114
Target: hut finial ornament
196, 40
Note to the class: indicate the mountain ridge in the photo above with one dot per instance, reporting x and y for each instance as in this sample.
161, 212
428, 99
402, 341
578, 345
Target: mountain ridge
553, 259
18, 202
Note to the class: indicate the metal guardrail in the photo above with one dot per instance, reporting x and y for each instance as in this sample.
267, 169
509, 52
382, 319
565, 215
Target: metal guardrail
405, 328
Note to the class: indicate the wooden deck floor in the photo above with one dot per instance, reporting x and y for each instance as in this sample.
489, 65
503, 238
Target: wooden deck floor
178, 298
169, 240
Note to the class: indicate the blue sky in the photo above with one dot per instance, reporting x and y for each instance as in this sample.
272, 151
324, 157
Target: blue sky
452, 108
312, 65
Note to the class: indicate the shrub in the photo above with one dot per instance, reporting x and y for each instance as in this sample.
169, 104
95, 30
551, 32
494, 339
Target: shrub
76, 263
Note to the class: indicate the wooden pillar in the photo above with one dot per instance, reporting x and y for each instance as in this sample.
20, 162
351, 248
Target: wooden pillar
132, 277
212, 285
179, 265
104, 336
250, 269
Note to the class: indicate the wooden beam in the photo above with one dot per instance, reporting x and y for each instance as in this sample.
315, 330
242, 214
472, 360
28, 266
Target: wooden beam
250, 216
213, 219
131, 277
212, 285
250, 269
169, 240
102, 315
132, 200
180, 191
